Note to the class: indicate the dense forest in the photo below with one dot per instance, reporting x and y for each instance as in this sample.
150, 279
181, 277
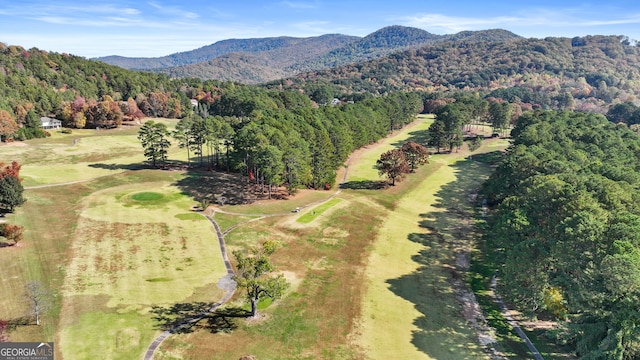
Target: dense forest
566, 228
253, 61
583, 73
280, 138
284, 47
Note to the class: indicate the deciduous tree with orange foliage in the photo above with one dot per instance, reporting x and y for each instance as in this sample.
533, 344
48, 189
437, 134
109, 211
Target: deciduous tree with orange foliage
12, 232
415, 154
8, 125
392, 164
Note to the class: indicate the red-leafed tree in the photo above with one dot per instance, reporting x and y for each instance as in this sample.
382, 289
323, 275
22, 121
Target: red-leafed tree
415, 154
133, 112
10, 187
392, 164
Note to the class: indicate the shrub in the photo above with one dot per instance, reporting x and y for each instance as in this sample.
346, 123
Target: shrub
12, 232
554, 302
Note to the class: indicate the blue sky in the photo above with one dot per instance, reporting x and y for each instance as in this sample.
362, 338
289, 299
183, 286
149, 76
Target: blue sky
161, 27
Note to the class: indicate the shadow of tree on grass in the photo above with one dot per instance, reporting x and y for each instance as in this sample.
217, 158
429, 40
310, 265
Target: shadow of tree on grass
365, 185
120, 166
211, 186
443, 332
421, 137
220, 321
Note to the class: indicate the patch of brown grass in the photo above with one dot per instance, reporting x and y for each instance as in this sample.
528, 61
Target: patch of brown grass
316, 318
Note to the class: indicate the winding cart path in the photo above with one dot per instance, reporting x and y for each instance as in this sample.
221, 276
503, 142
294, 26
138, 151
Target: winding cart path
226, 283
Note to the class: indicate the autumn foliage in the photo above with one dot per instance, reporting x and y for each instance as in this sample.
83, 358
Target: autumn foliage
12, 232
393, 164
10, 187
8, 125
10, 170
415, 154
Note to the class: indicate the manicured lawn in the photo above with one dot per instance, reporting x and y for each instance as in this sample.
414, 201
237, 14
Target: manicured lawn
406, 309
226, 221
362, 170
316, 211
133, 249
302, 198
81, 155
409, 310
110, 335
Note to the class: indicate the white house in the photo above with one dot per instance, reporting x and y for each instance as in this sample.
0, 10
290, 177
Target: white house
49, 123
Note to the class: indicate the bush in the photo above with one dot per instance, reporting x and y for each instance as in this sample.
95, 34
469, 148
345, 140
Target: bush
554, 303
12, 232
66, 131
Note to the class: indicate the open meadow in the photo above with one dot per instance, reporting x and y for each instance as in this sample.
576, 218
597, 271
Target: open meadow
108, 239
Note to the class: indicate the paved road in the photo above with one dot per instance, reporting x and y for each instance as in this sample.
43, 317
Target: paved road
536, 354
226, 283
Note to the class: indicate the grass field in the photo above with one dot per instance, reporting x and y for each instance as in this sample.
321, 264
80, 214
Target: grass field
81, 155
410, 311
109, 249
372, 270
314, 212
362, 167
133, 249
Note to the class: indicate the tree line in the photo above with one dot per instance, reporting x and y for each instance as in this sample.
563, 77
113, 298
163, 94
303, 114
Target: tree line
565, 228
280, 137
84, 93
584, 74
11, 190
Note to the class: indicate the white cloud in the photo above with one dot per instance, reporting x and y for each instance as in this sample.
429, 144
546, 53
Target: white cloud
299, 5
174, 11
560, 18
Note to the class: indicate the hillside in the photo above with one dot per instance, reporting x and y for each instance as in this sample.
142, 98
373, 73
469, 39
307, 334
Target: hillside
255, 61
284, 44
593, 70
397, 38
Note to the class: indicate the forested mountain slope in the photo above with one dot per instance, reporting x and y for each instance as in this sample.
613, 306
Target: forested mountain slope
393, 39
260, 60
593, 70
258, 45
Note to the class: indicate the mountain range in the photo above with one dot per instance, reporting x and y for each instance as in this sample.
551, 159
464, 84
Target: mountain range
261, 60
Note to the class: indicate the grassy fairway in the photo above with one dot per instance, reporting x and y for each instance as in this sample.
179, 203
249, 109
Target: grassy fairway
109, 248
370, 270
361, 168
134, 248
410, 311
82, 155
123, 246
407, 310
312, 214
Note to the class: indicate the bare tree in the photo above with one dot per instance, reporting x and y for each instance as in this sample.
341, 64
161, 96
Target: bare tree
39, 298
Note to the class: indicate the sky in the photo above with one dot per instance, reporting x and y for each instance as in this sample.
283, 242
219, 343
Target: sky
162, 27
